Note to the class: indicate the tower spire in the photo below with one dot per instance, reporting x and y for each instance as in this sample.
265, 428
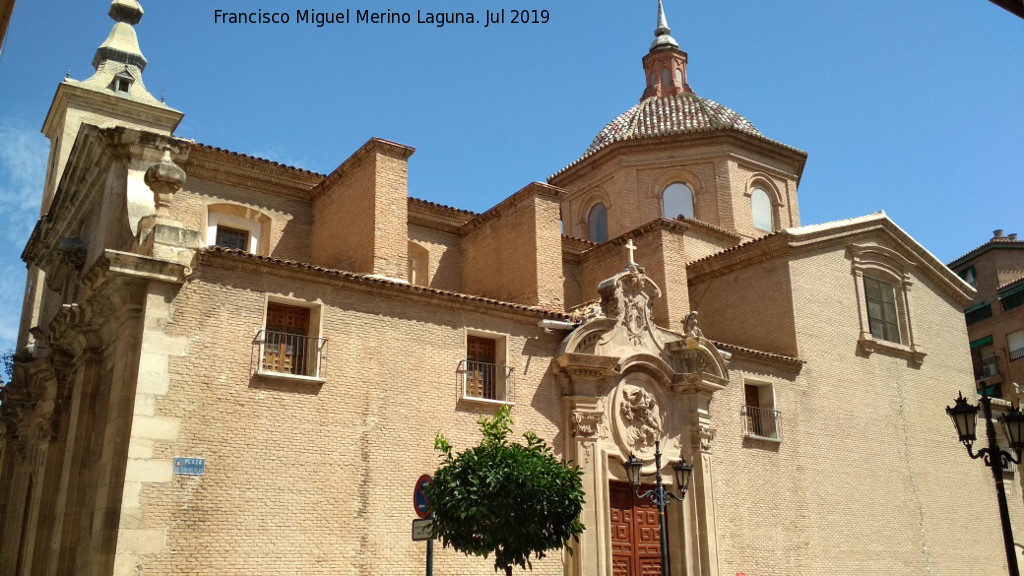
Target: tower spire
662, 37
122, 45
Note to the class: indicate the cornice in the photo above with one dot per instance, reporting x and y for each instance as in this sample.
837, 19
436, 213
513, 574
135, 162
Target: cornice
760, 357
721, 135
219, 165
109, 105
438, 216
1003, 244
239, 260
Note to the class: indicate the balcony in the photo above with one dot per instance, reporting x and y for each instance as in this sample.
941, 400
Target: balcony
761, 423
484, 382
1017, 354
986, 368
286, 354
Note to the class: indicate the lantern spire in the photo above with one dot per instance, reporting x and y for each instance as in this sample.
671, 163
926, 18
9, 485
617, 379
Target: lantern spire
662, 34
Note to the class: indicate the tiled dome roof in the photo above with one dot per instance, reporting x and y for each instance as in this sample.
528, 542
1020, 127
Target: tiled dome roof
665, 115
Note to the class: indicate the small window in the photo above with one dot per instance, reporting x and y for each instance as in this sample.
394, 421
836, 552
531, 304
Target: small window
666, 77
883, 320
485, 377
760, 418
679, 77
761, 210
969, 276
677, 201
237, 227
123, 85
288, 341
232, 238
597, 222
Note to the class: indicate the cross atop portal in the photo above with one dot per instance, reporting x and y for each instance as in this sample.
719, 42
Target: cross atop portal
632, 248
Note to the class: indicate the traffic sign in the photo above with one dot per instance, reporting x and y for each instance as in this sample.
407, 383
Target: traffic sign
419, 496
421, 529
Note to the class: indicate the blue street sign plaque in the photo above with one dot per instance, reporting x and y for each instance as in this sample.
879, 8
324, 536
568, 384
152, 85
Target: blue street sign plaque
189, 466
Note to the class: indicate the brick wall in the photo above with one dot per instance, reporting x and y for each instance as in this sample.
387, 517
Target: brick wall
514, 251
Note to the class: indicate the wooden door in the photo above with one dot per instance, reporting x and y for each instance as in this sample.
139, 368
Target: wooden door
480, 367
286, 339
636, 533
753, 401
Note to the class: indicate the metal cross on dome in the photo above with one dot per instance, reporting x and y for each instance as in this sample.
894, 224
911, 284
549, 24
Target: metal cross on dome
632, 248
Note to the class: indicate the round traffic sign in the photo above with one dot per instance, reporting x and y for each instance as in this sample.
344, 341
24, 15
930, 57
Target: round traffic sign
419, 496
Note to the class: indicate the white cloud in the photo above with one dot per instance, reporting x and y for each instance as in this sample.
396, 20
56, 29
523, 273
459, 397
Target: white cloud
23, 153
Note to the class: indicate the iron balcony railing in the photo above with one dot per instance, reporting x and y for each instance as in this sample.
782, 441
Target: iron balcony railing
1017, 354
295, 354
487, 382
762, 423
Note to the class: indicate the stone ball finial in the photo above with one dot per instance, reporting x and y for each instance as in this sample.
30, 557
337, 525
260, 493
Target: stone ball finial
164, 178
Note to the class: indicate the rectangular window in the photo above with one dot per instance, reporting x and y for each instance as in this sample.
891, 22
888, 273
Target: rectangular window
485, 377
288, 342
882, 317
977, 313
1015, 342
760, 418
232, 238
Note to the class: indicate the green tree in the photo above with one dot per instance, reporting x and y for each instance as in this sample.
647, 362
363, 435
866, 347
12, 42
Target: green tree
505, 498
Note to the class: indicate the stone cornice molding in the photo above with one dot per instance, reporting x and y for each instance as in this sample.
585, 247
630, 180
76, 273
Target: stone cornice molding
219, 165
718, 136
795, 241
437, 216
243, 261
158, 117
761, 358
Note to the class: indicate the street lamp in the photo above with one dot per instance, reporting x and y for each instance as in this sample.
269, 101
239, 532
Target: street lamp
965, 419
659, 496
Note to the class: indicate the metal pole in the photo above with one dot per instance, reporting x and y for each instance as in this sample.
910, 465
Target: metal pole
430, 557
996, 463
661, 497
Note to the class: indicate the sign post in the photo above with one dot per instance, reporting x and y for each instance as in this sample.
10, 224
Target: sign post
421, 528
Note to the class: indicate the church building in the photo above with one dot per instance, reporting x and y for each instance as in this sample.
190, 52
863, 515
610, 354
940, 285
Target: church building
207, 379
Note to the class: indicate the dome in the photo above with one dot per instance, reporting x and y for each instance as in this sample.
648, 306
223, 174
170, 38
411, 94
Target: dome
680, 113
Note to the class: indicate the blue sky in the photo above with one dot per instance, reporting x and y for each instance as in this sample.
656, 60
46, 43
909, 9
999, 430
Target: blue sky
913, 107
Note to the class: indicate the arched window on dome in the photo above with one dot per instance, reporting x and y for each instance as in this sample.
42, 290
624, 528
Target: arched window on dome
597, 222
666, 77
677, 200
651, 81
679, 77
761, 210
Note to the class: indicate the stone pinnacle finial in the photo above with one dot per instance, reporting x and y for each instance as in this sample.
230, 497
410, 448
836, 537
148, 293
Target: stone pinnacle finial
662, 33
164, 178
122, 45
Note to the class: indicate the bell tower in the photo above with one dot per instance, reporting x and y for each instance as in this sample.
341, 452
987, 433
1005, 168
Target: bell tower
114, 95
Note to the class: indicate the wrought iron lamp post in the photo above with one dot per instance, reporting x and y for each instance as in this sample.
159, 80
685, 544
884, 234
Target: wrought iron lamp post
965, 418
660, 496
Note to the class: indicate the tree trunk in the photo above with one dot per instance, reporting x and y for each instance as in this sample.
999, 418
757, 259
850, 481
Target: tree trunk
508, 570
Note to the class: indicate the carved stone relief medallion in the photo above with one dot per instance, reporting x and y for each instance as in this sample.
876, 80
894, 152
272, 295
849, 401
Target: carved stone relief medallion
638, 418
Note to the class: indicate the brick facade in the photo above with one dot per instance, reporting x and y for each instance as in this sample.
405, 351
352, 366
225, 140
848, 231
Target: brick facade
146, 343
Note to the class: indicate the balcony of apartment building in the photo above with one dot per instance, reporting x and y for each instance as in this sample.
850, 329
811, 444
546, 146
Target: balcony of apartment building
987, 372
